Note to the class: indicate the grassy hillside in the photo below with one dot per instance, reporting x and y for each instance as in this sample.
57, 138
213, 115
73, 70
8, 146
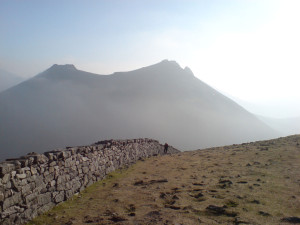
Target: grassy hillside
253, 183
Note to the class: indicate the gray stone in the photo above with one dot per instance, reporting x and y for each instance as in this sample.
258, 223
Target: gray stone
8, 185
84, 159
28, 214
51, 189
38, 181
16, 185
52, 164
44, 199
52, 183
21, 176
61, 186
51, 169
6, 168
26, 189
59, 197
8, 202
13, 174
1, 196
33, 170
5, 178
41, 159
45, 208
31, 197
69, 194
9, 211
85, 169
85, 180
60, 179
49, 178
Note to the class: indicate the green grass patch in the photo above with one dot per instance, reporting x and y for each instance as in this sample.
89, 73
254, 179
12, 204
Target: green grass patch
65, 209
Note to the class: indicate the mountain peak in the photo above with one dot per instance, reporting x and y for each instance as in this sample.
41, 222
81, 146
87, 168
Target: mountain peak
172, 65
64, 67
169, 62
59, 71
188, 70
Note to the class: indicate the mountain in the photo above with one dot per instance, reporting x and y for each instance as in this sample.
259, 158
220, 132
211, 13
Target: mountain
8, 80
287, 126
64, 106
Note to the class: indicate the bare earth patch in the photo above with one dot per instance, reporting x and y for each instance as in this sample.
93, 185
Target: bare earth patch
253, 183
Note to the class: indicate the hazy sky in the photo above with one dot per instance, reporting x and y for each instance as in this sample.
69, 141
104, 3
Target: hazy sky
247, 49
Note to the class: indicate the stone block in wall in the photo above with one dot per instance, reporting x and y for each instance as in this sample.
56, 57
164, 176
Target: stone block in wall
39, 180
52, 164
86, 164
8, 192
33, 170
69, 193
6, 168
44, 199
85, 180
85, 169
32, 178
1, 194
61, 179
69, 162
44, 190
51, 169
9, 211
48, 178
27, 189
45, 208
60, 187
39, 188
50, 156
21, 176
92, 168
13, 200
40, 159
31, 199
52, 183
29, 214
51, 189
58, 196
5, 178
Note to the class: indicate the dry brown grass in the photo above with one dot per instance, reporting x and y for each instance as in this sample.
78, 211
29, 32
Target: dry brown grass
258, 183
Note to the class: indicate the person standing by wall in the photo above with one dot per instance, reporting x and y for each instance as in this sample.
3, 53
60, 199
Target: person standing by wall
166, 148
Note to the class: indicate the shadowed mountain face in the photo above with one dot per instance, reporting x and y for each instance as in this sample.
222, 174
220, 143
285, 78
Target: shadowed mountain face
64, 106
8, 80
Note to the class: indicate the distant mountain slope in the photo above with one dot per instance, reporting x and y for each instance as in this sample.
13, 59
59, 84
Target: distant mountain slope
286, 126
64, 106
8, 80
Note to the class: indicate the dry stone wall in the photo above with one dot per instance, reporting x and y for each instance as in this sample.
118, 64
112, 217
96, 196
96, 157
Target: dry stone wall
35, 183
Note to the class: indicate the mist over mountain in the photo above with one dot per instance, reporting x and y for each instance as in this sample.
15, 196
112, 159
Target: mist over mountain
63, 106
286, 126
8, 80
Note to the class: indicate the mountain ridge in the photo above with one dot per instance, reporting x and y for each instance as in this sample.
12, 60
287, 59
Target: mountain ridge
8, 80
63, 106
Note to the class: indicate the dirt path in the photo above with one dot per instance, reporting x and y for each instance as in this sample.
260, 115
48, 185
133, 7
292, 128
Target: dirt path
257, 183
